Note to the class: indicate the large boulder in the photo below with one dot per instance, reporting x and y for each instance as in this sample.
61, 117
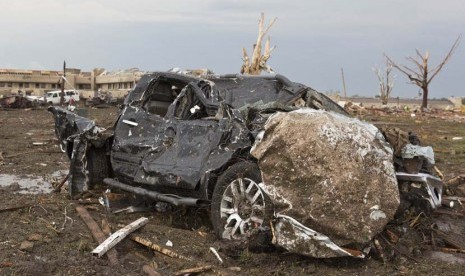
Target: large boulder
331, 173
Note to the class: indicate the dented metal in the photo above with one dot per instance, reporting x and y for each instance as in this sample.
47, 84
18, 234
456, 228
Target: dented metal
296, 237
426, 186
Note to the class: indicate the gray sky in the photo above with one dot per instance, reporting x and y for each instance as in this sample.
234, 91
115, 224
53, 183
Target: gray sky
314, 38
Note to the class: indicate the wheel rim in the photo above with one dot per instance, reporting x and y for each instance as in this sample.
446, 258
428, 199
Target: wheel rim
242, 208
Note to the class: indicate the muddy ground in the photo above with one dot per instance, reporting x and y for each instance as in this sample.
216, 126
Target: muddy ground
45, 235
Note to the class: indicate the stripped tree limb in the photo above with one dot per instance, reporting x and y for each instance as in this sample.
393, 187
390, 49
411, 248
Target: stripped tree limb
158, 248
452, 250
58, 188
98, 235
257, 63
423, 76
193, 270
118, 236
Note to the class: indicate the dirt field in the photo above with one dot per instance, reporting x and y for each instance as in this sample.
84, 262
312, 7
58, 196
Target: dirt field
45, 235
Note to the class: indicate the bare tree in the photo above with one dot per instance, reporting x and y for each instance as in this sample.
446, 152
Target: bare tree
258, 61
422, 75
386, 82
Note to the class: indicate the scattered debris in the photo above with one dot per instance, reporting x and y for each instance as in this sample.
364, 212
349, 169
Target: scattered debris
234, 268
97, 233
158, 248
452, 250
14, 208
447, 203
6, 264
26, 246
213, 250
456, 186
39, 143
106, 229
58, 187
118, 236
455, 240
150, 271
193, 270
35, 237
17, 101
103, 99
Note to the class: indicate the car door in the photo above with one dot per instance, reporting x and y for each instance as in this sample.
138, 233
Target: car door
190, 136
137, 134
140, 133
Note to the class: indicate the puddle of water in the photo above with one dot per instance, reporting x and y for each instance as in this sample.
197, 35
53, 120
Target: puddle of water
29, 184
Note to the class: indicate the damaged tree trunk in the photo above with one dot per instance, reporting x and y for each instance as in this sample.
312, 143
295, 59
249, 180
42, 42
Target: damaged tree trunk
386, 82
257, 64
422, 76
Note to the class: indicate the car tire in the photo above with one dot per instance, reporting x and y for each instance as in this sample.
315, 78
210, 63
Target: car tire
240, 208
97, 166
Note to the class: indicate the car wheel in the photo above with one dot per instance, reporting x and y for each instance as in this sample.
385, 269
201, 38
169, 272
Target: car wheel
97, 166
239, 206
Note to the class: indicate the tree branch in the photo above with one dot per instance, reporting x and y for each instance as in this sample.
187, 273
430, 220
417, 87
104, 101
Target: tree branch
436, 70
395, 65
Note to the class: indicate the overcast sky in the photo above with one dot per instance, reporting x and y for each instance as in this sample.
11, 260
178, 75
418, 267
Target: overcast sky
313, 38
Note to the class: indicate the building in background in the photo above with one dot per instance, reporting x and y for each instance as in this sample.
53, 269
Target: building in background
38, 82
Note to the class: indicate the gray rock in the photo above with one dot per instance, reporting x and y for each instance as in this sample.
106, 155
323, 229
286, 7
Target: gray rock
14, 186
26, 246
331, 173
35, 237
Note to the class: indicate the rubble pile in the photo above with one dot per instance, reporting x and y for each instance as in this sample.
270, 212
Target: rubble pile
17, 101
456, 114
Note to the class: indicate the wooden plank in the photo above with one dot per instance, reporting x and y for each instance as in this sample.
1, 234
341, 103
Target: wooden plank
97, 233
118, 236
193, 270
452, 239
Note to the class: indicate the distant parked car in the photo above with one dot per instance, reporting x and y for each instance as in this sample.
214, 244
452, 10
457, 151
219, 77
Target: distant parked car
34, 98
53, 97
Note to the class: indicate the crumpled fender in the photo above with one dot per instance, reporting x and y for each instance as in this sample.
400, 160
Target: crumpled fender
77, 134
67, 123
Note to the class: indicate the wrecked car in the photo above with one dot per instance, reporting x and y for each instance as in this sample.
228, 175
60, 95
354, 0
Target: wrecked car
259, 150
17, 101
